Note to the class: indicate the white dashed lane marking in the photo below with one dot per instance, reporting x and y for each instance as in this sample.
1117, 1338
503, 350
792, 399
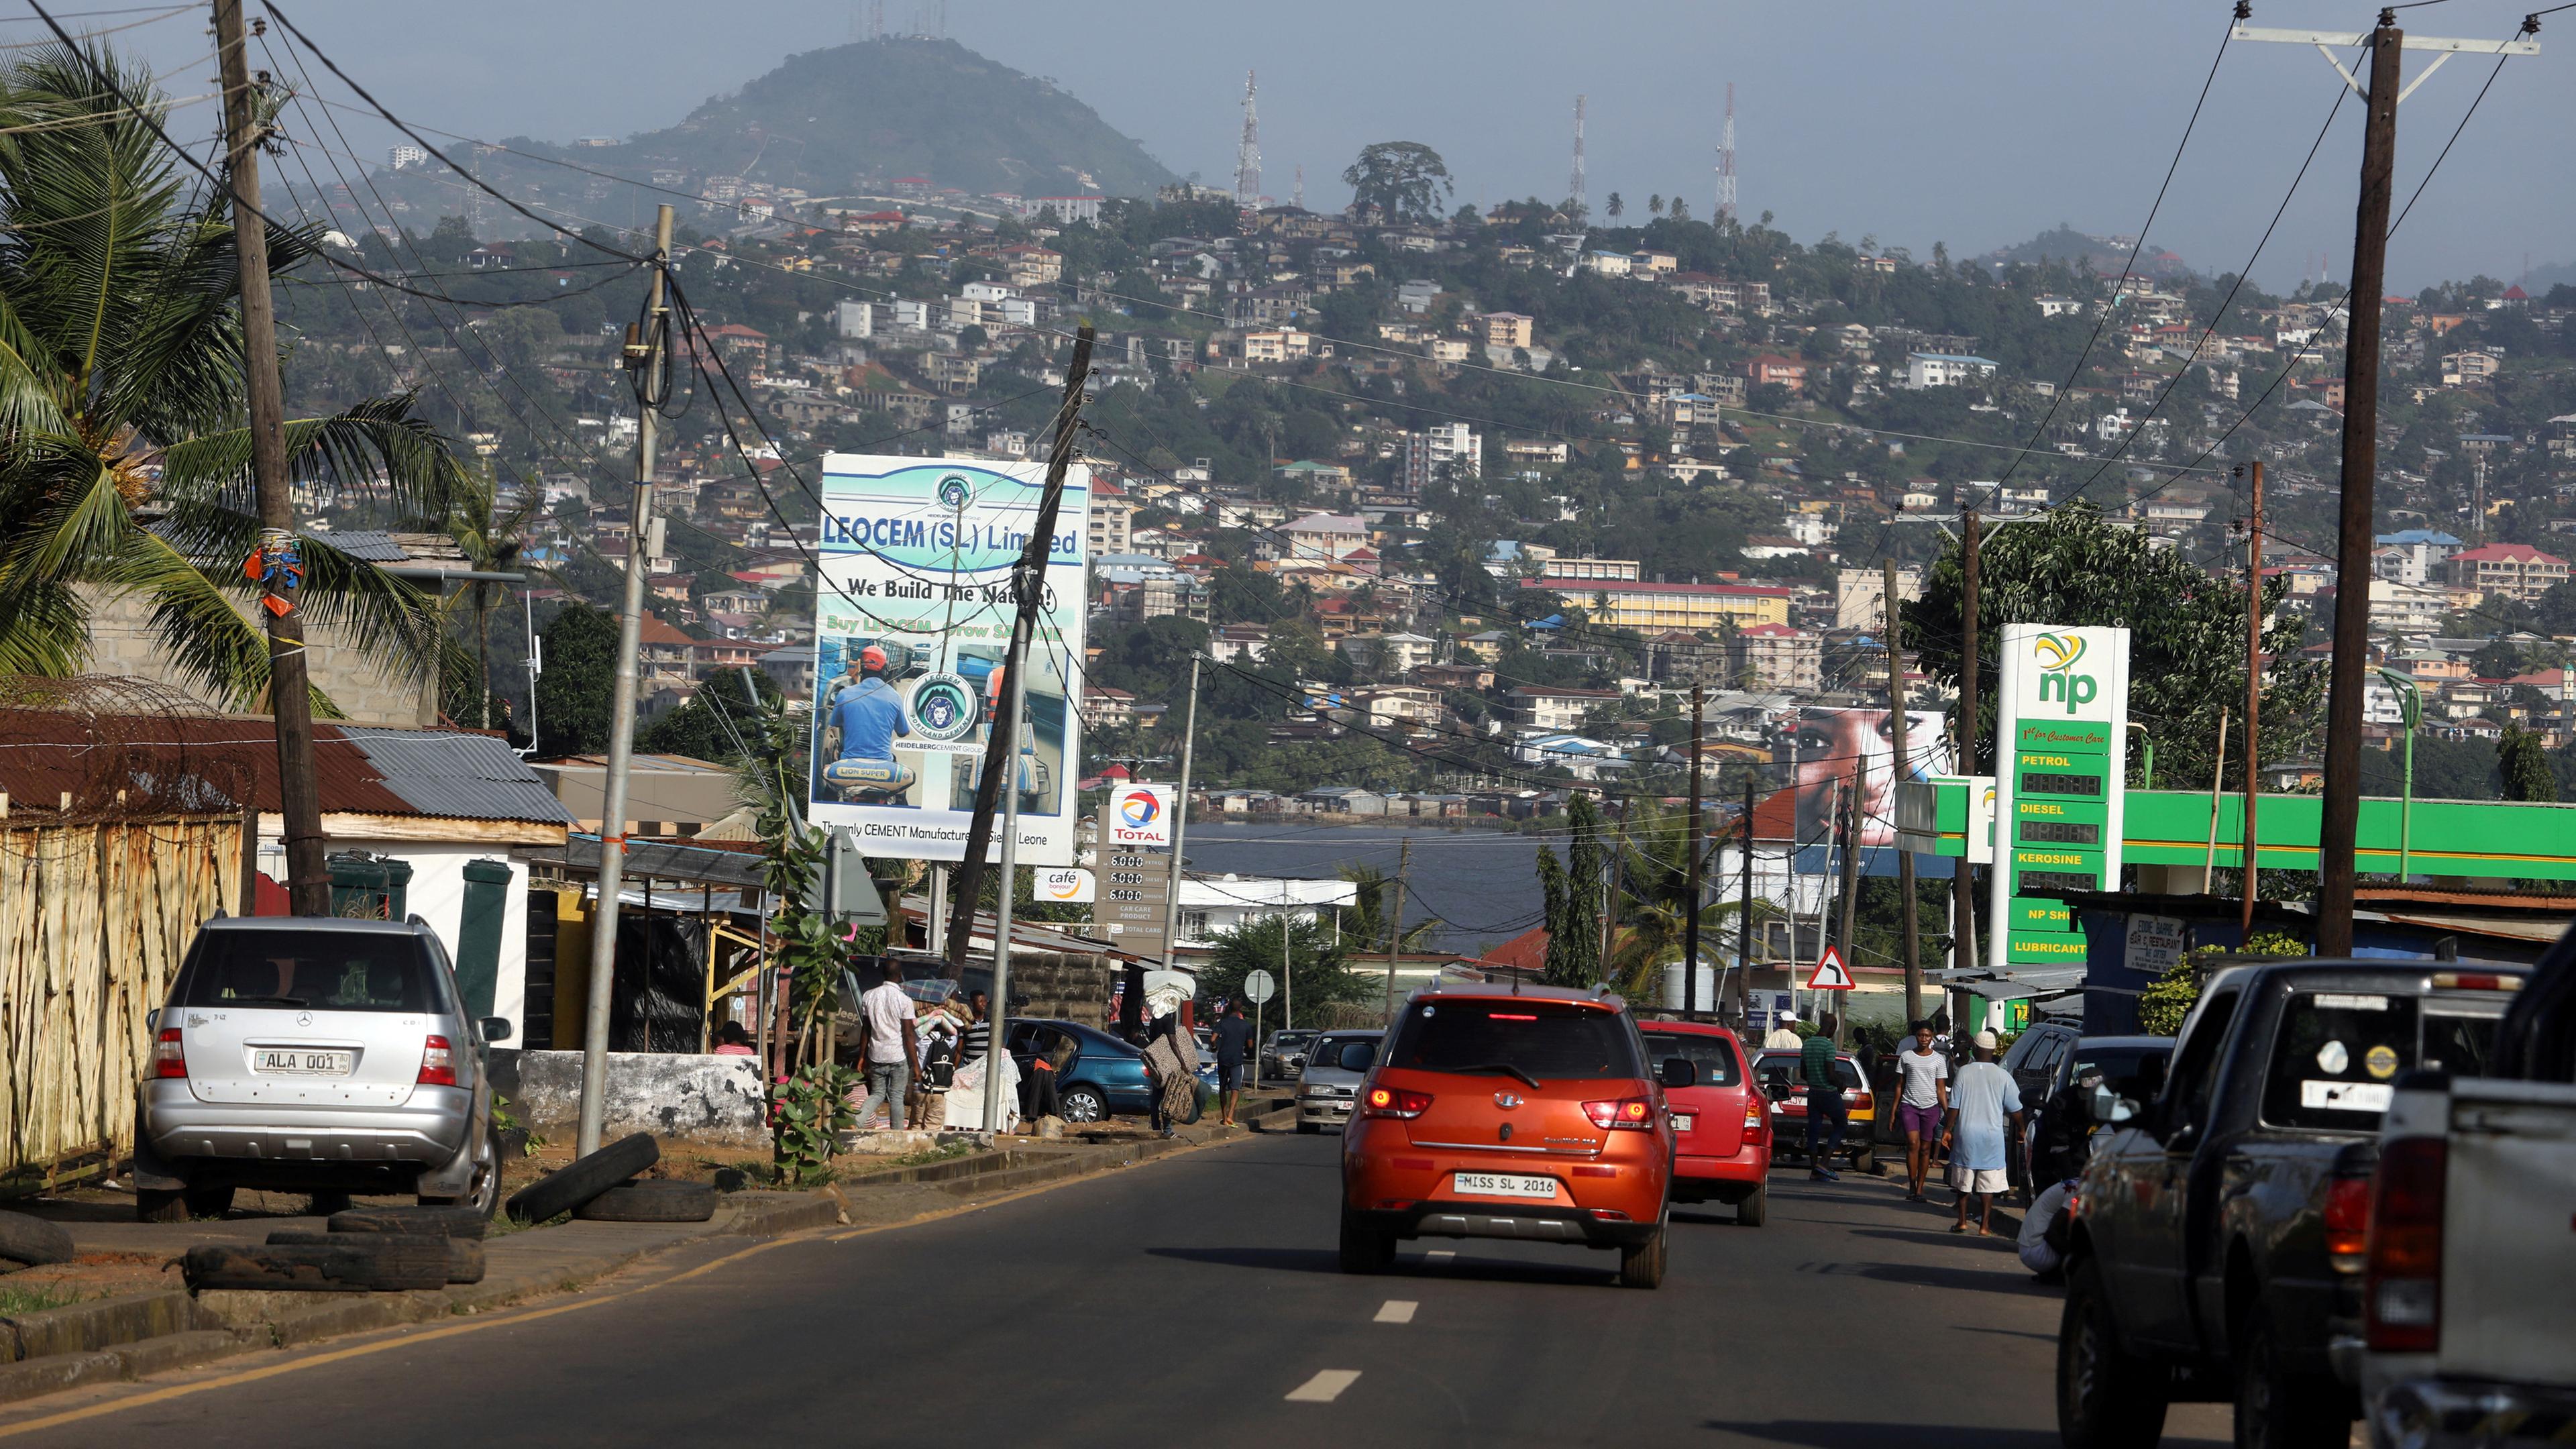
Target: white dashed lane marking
1324, 1387
1441, 1253
1396, 1310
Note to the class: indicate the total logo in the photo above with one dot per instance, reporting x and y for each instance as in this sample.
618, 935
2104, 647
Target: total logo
1137, 817
2057, 654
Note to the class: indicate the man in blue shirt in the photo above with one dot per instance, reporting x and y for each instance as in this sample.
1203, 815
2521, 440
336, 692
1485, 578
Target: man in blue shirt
860, 730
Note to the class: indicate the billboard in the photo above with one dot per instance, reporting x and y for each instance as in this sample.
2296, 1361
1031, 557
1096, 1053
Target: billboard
1138, 815
1828, 743
912, 618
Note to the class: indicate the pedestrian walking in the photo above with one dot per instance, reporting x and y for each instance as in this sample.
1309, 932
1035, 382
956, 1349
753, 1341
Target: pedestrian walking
1784, 1034
1171, 1066
1980, 1100
1231, 1036
892, 1050
1824, 1099
1921, 1105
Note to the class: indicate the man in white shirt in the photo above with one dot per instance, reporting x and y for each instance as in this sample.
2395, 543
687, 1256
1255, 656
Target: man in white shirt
892, 1050
1980, 1099
1784, 1034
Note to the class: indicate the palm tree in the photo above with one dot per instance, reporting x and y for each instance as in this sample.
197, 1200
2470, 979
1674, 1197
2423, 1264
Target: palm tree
1364, 921
493, 535
124, 451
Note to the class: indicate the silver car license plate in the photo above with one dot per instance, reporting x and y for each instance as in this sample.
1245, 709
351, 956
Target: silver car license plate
302, 1062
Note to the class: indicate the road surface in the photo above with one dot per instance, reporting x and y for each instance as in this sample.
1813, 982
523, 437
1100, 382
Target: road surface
1195, 1298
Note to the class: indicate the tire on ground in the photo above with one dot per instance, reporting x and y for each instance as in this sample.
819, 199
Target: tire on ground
2280, 1408
2107, 1397
651, 1200
1754, 1208
1364, 1249
1641, 1265
33, 1241
464, 1255
442, 1222
387, 1264
584, 1178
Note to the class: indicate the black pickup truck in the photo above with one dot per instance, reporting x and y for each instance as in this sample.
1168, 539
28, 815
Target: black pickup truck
2218, 1241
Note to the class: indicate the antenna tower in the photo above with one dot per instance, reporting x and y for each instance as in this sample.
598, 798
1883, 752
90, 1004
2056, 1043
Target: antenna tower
1247, 156
1300, 204
1726, 162
1574, 187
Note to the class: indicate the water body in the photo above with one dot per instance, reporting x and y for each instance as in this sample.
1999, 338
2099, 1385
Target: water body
1480, 885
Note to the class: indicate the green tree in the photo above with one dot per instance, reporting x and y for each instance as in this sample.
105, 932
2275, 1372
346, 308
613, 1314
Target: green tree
720, 722
125, 465
1364, 922
1574, 901
574, 691
2524, 764
1615, 207
1317, 972
1400, 180
494, 537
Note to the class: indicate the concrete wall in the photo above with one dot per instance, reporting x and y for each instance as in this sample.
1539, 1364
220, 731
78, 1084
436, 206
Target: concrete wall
123, 641
705, 1099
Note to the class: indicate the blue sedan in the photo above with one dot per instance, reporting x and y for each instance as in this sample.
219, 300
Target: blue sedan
1103, 1077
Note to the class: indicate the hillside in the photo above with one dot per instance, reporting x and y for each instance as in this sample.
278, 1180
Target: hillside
2103, 255
829, 122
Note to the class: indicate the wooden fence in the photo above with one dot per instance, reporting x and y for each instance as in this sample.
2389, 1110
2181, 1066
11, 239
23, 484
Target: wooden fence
94, 919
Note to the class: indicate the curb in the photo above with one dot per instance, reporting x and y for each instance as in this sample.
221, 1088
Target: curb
127, 1337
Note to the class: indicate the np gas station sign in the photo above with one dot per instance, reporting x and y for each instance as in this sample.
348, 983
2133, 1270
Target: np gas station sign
2062, 736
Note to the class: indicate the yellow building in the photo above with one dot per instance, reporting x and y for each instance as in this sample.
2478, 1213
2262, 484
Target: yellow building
1657, 607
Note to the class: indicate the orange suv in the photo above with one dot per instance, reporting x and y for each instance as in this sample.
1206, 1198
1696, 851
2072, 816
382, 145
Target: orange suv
1492, 1114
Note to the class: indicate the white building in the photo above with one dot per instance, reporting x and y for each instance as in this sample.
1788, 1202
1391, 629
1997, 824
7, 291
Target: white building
1945, 369
1455, 446
1212, 904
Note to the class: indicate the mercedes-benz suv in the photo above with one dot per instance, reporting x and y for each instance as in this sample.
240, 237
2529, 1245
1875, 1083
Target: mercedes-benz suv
314, 1054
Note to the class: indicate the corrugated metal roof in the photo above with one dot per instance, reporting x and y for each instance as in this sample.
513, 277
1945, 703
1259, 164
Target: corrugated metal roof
467, 776
373, 545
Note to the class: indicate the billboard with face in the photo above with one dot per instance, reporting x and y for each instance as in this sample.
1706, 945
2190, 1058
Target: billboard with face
1829, 742
912, 621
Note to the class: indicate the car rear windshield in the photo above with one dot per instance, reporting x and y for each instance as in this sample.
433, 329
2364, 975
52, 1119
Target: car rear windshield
1783, 1067
2339, 1053
1546, 1040
1714, 1056
2135, 1072
311, 970
1345, 1053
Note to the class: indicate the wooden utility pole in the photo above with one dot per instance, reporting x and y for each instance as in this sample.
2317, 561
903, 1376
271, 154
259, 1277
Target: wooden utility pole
1963, 893
280, 562
1001, 749
2339, 827
1744, 919
1395, 923
1851, 876
1888, 605
1690, 920
2253, 679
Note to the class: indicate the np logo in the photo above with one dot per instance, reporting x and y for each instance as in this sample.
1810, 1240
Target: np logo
1137, 810
2057, 655
954, 492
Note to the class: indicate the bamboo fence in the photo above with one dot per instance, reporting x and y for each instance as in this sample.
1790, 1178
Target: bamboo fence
94, 920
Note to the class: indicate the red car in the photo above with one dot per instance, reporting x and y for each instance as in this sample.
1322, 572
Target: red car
1537, 1115
1722, 1123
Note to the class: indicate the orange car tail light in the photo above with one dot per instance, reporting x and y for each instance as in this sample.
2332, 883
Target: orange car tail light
1635, 1114
1395, 1102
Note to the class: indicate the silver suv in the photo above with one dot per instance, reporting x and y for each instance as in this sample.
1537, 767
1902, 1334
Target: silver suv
1329, 1086
313, 1054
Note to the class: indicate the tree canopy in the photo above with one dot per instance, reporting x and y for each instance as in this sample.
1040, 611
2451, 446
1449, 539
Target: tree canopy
1400, 180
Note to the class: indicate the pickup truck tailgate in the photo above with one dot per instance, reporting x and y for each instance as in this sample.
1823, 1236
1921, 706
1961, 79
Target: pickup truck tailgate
2509, 1232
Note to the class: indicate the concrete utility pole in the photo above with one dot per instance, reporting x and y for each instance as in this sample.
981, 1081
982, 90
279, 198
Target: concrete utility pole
1180, 822
1690, 918
1888, 605
1001, 749
2340, 819
1744, 919
2253, 680
1395, 923
1963, 881
1852, 814
290, 694
645, 351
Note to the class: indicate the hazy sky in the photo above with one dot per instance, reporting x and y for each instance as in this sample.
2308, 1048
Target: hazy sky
1976, 124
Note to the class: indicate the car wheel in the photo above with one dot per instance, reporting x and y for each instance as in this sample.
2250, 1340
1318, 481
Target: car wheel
1082, 1104
1641, 1265
2277, 1408
1755, 1208
209, 1202
485, 1195
2107, 1397
1365, 1249
155, 1206
1865, 1158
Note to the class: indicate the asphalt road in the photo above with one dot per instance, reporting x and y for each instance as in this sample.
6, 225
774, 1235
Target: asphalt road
1198, 1296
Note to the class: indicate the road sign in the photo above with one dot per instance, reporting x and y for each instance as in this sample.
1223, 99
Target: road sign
1131, 891
1259, 987
1831, 975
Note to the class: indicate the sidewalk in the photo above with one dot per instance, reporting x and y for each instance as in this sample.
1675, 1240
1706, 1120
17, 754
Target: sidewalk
132, 1335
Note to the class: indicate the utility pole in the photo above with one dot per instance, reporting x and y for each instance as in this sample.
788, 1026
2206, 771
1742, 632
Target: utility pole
1001, 749
645, 351
290, 695
1180, 822
1851, 858
1690, 920
1395, 923
1904, 858
2253, 679
1744, 919
1963, 880
1015, 696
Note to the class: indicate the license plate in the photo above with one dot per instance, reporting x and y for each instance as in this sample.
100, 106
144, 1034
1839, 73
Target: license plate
1682, 1121
1497, 1184
281, 1062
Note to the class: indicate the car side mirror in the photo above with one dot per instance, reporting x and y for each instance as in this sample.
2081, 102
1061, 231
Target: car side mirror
496, 1028
1679, 1072
1776, 1091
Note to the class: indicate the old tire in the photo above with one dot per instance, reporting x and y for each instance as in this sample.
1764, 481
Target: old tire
464, 1255
1755, 1208
1641, 1265
2107, 1397
386, 1264
583, 1178
1364, 1248
1082, 1104
2278, 1408
651, 1201
438, 1222
33, 1241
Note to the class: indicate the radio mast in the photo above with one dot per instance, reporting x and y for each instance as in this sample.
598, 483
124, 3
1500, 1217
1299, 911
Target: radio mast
1247, 157
1574, 187
1726, 162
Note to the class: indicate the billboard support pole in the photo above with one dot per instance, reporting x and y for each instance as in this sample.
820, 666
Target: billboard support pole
1889, 600
1963, 884
1015, 693
1180, 823
1029, 581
